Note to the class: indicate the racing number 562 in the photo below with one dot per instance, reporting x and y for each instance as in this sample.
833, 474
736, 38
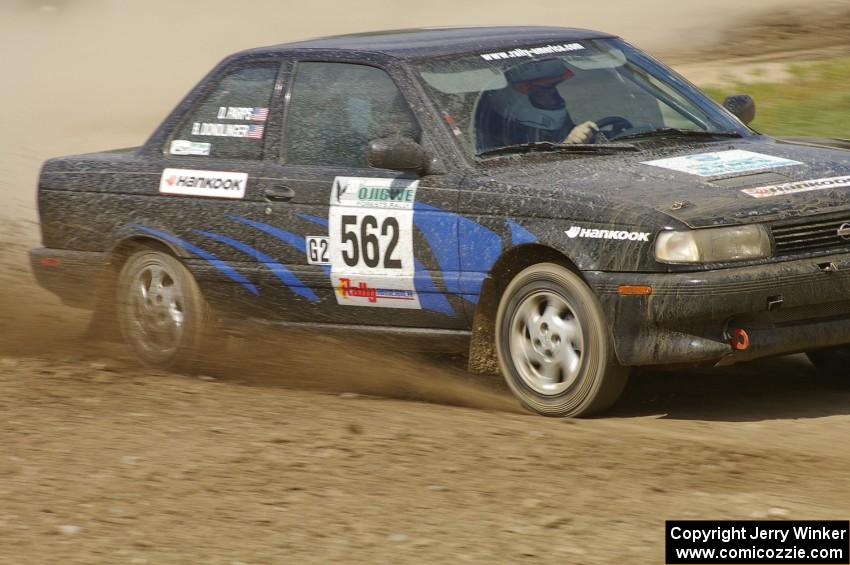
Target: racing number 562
365, 241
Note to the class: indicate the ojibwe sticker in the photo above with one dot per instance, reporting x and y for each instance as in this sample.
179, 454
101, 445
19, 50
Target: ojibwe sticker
212, 184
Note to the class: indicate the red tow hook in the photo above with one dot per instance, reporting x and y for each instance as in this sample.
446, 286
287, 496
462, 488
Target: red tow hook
740, 339
50, 261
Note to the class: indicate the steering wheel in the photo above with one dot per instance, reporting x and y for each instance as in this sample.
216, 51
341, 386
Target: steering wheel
617, 124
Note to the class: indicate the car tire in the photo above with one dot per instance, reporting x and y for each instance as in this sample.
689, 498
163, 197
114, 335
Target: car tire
832, 365
163, 316
554, 346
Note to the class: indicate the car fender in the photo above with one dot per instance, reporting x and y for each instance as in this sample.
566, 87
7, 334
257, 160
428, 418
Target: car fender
129, 234
589, 246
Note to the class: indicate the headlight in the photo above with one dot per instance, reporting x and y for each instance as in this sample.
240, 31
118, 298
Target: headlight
713, 245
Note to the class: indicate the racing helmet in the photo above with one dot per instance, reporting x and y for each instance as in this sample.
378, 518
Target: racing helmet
531, 97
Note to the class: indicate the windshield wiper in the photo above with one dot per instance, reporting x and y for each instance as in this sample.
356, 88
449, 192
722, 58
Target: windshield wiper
678, 132
588, 148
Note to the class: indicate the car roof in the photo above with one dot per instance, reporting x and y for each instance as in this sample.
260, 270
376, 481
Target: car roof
425, 42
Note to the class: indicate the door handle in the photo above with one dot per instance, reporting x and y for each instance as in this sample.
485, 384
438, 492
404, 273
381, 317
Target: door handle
278, 193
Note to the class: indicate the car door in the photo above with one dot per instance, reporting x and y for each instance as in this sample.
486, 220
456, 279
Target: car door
359, 239
211, 177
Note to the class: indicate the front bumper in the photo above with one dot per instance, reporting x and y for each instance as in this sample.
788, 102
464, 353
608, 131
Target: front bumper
74, 276
785, 307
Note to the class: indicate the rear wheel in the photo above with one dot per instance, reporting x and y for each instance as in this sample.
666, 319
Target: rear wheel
833, 365
162, 313
553, 344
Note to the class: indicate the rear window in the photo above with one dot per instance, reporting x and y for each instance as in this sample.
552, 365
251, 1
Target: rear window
230, 122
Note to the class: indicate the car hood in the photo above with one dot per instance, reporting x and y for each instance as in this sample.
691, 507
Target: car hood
701, 184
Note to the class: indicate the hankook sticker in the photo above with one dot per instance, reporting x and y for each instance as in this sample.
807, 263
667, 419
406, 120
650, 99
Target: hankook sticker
800, 186
590, 233
722, 163
215, 184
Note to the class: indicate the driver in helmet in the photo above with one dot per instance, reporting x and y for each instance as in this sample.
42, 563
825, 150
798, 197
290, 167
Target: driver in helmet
530, 109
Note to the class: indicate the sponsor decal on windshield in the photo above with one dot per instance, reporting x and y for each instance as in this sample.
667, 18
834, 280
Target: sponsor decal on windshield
722, 163
532, 51
190, 182
228, 130
589, 233
794, 187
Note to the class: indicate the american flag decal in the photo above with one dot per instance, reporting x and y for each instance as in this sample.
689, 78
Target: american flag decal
259, 114
255, 132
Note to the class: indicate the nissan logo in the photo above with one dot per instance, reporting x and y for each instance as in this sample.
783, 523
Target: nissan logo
844, 231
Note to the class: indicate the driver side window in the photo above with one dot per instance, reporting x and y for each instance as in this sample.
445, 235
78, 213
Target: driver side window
336, 109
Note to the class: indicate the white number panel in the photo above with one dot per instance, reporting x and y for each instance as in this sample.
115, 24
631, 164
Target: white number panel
371, 242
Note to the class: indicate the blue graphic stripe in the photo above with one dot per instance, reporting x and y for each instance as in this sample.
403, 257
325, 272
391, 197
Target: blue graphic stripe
429, 297
285, 275
222, 266
315, 219
480, 247
439, 228
288, 238
520, 235
465, 250
470, 285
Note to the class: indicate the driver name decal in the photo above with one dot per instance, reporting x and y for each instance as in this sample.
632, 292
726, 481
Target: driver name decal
370, 244
722, 163
203, 129
253, 114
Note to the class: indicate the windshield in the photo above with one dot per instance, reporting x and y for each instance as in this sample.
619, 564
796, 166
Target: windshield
590, 91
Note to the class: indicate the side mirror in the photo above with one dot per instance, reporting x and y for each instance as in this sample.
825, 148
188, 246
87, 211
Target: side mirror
399, 153
742, 106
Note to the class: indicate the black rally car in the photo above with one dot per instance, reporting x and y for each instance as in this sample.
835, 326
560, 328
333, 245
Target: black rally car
566, 202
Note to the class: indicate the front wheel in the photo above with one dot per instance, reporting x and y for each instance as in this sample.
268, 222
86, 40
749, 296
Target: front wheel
553, 344
162, 313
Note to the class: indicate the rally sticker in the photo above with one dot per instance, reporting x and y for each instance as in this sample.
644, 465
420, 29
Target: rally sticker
794, 187
216, 184
532, 51
371, 242
185, 147
246, 114
253, 131
722, 163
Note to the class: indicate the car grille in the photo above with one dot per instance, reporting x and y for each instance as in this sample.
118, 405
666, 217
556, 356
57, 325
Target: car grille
814, 234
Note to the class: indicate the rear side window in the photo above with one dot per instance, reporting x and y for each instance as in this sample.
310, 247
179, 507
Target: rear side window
230, 121
337, 109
